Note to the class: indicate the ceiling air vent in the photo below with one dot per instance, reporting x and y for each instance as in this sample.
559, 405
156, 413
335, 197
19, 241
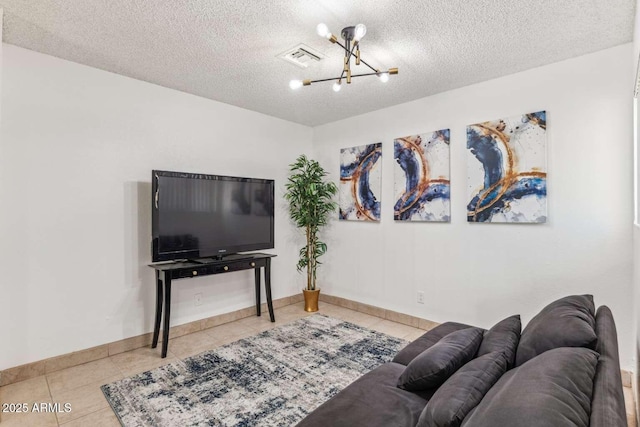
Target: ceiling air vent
302, 56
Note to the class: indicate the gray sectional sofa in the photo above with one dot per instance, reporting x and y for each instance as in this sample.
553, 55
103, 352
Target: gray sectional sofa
561, 370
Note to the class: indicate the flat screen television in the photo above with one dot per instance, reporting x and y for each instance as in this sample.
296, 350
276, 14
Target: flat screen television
200, 216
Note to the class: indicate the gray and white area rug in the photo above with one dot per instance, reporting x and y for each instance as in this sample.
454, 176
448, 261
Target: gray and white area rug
272, 379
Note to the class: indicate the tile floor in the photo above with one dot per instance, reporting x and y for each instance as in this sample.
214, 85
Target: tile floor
80, 385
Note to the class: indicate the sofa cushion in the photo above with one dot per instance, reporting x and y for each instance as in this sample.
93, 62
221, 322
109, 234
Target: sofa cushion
607, 404
503, 336
552, 389
567, 322
437, 363
372, 400
462, 392
427, 340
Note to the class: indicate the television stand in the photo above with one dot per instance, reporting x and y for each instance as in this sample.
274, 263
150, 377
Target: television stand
203, 260
166, 272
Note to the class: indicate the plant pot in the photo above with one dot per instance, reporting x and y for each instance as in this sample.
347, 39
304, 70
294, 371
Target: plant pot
311, 300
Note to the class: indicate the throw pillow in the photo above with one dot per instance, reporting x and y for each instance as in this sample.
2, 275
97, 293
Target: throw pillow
503, 336
567, 322
553, 389
437, 363
427, 340
463, 391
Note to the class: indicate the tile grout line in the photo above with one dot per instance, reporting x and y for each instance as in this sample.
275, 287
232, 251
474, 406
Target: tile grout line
46, 378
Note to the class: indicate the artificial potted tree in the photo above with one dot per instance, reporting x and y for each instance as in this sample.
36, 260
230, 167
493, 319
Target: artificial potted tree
310, 199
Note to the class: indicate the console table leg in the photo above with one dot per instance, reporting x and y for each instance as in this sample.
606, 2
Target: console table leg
257, 273
156, 327
167, 312
267, 287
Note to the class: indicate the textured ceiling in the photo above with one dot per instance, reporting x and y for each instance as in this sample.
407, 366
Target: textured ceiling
228, 50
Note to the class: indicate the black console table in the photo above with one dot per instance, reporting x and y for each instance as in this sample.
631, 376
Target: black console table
165, 272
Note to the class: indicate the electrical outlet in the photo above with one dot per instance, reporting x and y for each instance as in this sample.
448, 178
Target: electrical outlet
197, 299
420, 297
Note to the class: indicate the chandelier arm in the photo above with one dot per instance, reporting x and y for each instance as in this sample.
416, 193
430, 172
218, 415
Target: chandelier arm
364, 62
353, 75
325, 80
361, 60
370, 74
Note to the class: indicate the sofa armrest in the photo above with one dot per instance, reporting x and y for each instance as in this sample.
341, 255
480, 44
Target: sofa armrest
607, 402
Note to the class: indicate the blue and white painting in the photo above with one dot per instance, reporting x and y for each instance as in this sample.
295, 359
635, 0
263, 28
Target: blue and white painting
360, 182
422, 177
507, 170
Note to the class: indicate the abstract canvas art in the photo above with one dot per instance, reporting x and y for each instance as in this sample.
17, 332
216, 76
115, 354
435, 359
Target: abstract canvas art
507, 172
360, 182
422, 177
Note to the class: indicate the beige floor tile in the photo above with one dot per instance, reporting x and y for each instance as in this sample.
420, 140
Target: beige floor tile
83, 400
34, 390
253, 323
336, 311
78, 376
415, 335
102, 418
192, 344
630, 406
414, 332
364, 320
296, 315
427, 325
394, 329
142, 359
230, 332
220, 319
405, 319
264, 324
296, 309
31, 418
257, 325
290, 316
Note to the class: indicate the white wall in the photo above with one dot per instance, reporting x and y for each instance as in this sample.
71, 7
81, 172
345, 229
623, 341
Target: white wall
78, 147
481, 273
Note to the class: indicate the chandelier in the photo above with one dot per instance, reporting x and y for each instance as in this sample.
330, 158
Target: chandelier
352, 36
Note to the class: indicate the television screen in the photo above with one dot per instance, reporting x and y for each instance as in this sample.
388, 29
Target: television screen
199, 216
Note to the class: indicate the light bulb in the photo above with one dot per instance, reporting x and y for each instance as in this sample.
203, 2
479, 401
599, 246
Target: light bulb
337, 86
384, 77
360, 31
295, 84
322, 30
